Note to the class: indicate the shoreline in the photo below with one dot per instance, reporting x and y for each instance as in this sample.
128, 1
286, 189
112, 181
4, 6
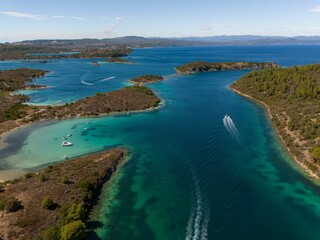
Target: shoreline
96, 168
13, 173
305, 169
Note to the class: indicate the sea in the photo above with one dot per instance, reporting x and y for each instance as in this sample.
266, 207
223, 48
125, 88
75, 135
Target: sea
189, 175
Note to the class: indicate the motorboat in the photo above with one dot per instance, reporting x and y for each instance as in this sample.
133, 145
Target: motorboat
66, 144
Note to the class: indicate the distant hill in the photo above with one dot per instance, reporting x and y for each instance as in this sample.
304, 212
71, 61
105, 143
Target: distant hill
128, 41
139, 42
254, 40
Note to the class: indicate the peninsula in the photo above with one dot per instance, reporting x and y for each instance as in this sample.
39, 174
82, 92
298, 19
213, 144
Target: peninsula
14, 113
196, 67
145, 79
292, 96
54, 203
11, 80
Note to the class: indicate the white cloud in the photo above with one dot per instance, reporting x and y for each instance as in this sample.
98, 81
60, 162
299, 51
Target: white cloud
38, 17
104, 18
120, 19
24, 15
316, 9
67, 17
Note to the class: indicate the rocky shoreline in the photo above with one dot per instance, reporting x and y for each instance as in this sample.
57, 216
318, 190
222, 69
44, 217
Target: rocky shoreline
309, 172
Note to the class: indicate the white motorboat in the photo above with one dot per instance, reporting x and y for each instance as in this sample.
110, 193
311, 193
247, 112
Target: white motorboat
66, 144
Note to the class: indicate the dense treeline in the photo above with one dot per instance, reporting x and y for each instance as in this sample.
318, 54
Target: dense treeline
19, 52
293, 95
196, 67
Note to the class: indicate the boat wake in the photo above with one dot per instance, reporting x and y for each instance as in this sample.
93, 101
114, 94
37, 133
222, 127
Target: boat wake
198, 222
230, 127
102, 80
106, 79
85, 83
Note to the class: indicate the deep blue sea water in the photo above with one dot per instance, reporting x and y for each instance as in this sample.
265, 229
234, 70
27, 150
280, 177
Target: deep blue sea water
187, 176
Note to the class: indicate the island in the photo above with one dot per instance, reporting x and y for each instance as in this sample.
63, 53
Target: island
127, 99
14, 113
54, 203
23, 51
196, 67
292, 97
145, 79
117, 60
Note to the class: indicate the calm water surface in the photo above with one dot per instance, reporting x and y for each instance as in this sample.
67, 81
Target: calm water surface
188, 177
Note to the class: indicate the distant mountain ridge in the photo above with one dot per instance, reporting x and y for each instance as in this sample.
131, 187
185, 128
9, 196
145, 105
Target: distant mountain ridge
138, 42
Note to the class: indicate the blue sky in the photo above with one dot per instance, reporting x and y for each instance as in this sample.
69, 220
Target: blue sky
35, 19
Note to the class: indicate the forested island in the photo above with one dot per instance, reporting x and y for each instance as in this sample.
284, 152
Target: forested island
26, 52
117, 60
196, 67
54, 204
145, 79
293, 98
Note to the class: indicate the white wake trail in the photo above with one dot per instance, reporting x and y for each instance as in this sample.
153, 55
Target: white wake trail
83, 82
106, 79
204, 229
226, 125
199, 213
232, 126
197, 224
190, 224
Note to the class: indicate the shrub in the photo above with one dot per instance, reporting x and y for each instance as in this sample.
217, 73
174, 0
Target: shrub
51, 233
47, 203
73, 212
29, 175
42, 177
64, 179
75, 230
1, 205
316, 153
11, 205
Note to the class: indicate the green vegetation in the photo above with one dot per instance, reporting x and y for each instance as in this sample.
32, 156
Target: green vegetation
75, 230
11, 106
146, 79
117, 60
51, 233
47, 203
196, 67
293, 95
131, 98
10, 204
69, 204
16, 52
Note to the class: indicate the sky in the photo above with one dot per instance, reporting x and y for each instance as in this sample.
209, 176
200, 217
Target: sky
69, 19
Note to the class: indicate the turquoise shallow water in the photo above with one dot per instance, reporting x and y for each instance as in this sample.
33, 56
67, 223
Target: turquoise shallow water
187, 177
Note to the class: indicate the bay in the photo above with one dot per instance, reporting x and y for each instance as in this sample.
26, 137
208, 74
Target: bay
187, 176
